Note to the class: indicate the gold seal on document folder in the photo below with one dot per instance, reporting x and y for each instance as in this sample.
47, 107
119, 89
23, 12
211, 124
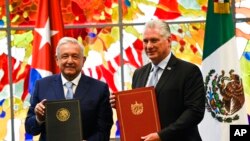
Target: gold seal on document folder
63, 120
137, 108
62, 114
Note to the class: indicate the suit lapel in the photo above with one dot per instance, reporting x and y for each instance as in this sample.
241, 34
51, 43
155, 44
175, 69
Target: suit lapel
168, 70
58, 87
82, 87
145, 75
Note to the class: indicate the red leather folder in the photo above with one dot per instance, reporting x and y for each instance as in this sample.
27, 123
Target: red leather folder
137, 113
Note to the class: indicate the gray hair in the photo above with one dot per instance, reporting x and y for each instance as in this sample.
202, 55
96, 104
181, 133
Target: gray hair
66, 40
162, 25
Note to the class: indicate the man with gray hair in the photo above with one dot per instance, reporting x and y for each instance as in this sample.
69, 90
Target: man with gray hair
179, 87
96, 112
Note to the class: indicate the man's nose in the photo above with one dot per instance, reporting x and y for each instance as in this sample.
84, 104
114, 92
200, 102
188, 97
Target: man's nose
70, 59
149, 44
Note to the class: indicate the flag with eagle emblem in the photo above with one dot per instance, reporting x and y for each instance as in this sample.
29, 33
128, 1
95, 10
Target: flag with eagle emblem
225, 101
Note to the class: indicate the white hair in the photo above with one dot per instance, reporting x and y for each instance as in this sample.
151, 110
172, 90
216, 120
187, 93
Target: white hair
66, 40
162, 25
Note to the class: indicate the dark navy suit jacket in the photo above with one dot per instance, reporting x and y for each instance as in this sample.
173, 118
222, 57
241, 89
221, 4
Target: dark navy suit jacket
180, 97
96, 111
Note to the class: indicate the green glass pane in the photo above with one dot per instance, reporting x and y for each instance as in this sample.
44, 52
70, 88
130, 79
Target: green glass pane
21, 44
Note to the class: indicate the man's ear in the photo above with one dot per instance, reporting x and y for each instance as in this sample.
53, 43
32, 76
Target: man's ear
84, 59
56, 59
170, 38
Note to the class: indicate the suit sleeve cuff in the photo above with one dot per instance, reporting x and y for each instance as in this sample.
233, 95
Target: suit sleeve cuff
39, 121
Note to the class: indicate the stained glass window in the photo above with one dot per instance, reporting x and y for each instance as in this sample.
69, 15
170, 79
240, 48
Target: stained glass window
110, 31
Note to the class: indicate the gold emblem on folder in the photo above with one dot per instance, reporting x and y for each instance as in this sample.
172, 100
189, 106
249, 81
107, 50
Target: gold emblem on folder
137, 108
63, 114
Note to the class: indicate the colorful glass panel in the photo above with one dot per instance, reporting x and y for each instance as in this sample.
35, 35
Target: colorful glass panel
242, 8
4, 89
23, 13
172, 10
187, 44
2, 14
20, 51
102, 49
243, 45
102, 45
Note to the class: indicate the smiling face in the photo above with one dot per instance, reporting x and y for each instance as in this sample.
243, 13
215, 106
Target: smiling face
156, 46
70, 60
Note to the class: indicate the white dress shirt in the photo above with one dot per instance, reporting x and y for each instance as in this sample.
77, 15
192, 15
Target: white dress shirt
74, 81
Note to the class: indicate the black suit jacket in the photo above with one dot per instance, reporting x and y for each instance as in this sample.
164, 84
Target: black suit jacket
181, 99
96, 111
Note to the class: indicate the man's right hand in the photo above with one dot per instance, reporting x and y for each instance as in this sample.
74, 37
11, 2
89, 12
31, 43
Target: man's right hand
40, 111
112, 100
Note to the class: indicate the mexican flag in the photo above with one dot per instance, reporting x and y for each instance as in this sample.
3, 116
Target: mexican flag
225, 101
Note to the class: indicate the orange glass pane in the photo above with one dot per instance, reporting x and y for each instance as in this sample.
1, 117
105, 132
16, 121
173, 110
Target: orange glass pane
188, 41
172, 10
2, 13
24, 13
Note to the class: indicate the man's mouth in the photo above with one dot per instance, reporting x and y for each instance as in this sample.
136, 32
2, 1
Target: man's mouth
150, 52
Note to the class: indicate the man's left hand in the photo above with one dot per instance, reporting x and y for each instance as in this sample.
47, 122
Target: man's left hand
151, 137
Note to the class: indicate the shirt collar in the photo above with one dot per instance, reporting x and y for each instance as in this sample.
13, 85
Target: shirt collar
74, 81
163, 63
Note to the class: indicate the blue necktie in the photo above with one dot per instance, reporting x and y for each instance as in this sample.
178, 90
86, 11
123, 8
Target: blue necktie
154, 78
69, 94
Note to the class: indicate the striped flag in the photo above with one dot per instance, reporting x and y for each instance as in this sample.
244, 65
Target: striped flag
48, 31
225, 101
